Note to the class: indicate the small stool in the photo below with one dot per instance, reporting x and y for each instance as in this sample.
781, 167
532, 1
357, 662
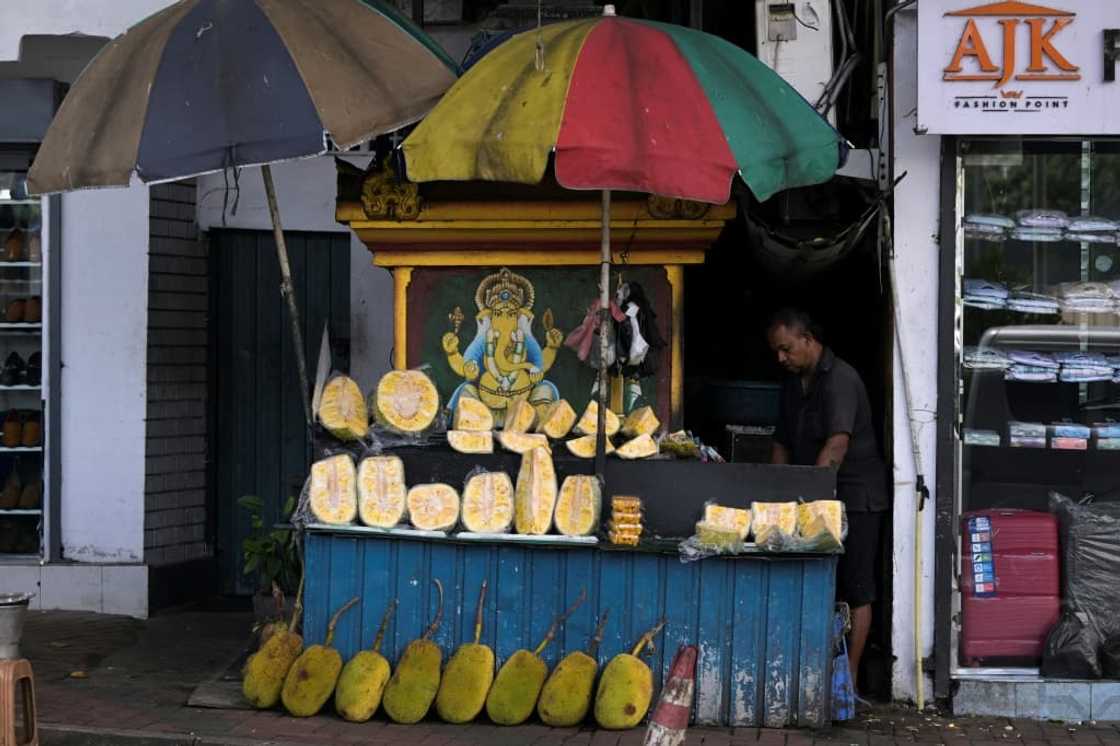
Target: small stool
17, 686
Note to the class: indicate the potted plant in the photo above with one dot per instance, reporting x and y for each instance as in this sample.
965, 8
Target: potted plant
272, 554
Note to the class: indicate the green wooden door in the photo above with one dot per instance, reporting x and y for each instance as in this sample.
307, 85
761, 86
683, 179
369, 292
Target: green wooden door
258, 438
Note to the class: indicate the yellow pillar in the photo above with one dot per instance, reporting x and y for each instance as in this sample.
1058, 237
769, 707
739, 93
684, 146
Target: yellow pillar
402, 276
675, 275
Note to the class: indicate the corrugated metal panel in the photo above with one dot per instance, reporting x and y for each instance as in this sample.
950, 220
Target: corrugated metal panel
762, 625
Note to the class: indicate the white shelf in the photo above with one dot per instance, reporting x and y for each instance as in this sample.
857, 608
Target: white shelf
21, 511
21, 387
21, 449
19, 202
20, 328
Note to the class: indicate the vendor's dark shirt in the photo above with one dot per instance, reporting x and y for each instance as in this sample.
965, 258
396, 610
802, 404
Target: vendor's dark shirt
836, 402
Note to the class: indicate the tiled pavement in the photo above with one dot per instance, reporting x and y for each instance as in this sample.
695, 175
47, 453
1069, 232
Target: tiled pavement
110, 680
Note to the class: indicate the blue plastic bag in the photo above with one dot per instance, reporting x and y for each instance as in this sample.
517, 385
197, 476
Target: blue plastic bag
843, 691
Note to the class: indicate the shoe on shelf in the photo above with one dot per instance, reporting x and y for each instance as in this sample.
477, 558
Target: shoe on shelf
13, 247
13, 429
34, 251
31, 497
35, 369
15, 311
33, 310
14, 371
32, 435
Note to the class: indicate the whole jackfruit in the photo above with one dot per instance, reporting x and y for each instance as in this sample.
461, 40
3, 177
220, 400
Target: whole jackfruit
566, 695
556, 419
363, 678
535, 495
488, 503
266, 669
518, 684
520, 417
626, 687
381, 491
405, 401
415, 682
311, 679
468, 675
342, 409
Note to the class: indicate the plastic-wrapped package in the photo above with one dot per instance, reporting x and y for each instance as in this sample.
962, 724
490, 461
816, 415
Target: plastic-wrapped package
990, 219
625, 526
822, 526
579, 505
773, 524
332, 494
1071, 650
382, 491
1042, 219
433, 507
735, 519
487, 502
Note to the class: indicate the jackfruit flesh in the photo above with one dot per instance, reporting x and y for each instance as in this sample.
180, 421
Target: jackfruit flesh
406, 401
625, 504
523, 442
465, 683
535, 496
642, 446
624, 694
516, 688
472, 415
589, 423
578, 506
623, 539
719, 538
488, 503
773, 523
311, 681
381, 491
641, 421
342, 409
734, 519
821, 523
556, 420
433, 507
333, 492
360, 686
413, 685
566, 695
470, 442
585, 447
267, 668
520, 417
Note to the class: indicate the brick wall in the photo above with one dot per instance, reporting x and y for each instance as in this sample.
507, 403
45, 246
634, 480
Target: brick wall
178, 304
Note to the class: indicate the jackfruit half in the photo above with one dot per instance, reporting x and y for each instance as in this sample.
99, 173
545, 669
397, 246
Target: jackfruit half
433, 507
468, 442
566, 694
578, 506
333, 491
556, 419
311, 679
466, 679
406, 401
535, 496
415, 682
523, 442
641, 421
363, 678
520, 417
642, 446
625, 688
471, 415
584, 447
488, 503
342, 409
589, 423
381, 491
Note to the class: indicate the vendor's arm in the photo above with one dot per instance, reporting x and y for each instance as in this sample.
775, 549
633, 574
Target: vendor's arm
779, 454
834, 450
841, 399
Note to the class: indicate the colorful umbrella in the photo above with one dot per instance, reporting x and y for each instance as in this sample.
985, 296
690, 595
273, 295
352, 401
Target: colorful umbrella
625, 104
205, 85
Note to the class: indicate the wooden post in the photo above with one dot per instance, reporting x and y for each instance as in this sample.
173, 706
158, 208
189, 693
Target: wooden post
604, 319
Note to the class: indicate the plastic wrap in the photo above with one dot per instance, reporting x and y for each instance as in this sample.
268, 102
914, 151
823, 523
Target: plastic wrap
382, 491
342, 409
773, 525
535, 493
1110, 658
579, 505
329, 493
405, 406
822, 526
625, 525
433, 507
487, 506
1071, 650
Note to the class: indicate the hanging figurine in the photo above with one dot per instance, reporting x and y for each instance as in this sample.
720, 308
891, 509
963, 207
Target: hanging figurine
639, 341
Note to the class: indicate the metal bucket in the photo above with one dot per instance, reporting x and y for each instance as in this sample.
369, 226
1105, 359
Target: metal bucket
13, 609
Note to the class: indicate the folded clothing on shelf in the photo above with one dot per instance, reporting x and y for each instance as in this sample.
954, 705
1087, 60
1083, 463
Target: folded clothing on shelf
975, 437
1085, 291
1026, 302
1033, 359
1108, 444
1106, 430
985, 358
978, 288
1028, 441
1085, 237
1042, 219
1078, 374
1070, 430
1069, 444
1026, 429
1089, 305
1079, 359
1031, 374
989, 219
1092, 224
1049, 235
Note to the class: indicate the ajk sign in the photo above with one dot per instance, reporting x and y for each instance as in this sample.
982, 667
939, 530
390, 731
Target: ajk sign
1018, 68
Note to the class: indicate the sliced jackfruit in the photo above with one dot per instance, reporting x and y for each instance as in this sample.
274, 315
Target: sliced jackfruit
578, 505
773, 523
585, 447
433, 507
719, 538
626, 687
381, 491
589, 423
626, 504
333, 490
406, 401
520, 417
311, 679
472, 415
488, 503
556, 419
642, 446
523, 442
342, 409
735, 519
821, 523
535, 497
641, 421
470, 442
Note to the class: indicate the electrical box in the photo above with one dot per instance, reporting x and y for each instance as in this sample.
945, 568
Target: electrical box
795, 39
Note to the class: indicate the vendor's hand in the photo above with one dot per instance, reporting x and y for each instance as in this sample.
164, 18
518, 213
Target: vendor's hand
470, 370
450, 343
554, 338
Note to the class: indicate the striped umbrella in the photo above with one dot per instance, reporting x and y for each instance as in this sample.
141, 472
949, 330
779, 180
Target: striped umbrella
205, 85
625, 104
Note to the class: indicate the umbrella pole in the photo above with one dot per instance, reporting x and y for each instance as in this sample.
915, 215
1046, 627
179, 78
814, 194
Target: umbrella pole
288, 292
604, 320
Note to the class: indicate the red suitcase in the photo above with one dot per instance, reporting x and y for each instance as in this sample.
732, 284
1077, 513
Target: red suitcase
1010, 586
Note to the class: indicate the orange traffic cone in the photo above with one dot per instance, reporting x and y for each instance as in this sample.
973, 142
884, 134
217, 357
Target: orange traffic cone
669, 724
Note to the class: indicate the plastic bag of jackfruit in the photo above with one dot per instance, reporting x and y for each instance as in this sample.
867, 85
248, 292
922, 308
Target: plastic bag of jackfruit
816, 526
721, 530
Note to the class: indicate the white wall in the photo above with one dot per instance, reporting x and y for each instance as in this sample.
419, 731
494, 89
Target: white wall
916, 245
19, 18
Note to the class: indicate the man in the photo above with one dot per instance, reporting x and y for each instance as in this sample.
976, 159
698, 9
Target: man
825, 420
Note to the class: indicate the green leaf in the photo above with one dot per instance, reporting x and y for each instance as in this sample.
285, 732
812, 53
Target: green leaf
251, 565
251, 503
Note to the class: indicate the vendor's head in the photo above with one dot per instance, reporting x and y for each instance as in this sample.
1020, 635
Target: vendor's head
795, 340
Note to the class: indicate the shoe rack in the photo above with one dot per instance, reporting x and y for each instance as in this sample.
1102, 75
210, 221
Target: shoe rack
22, 435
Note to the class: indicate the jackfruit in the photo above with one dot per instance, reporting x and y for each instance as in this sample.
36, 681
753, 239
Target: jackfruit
413, 685
520, 417
467, 677
518, 684
641, 421
267, 668
363, 678
578, 506
773, 524
626, 687
535, 497
333, 492
523, 442
585, 447
735, 519
625, 525
311, 679
718, 538
468, 442
342, 409
381, 491
433, 507
821, 523
488, 503
626, 504
642, 446
589, 423
566, 695
406, 401
556, 419
472, 416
